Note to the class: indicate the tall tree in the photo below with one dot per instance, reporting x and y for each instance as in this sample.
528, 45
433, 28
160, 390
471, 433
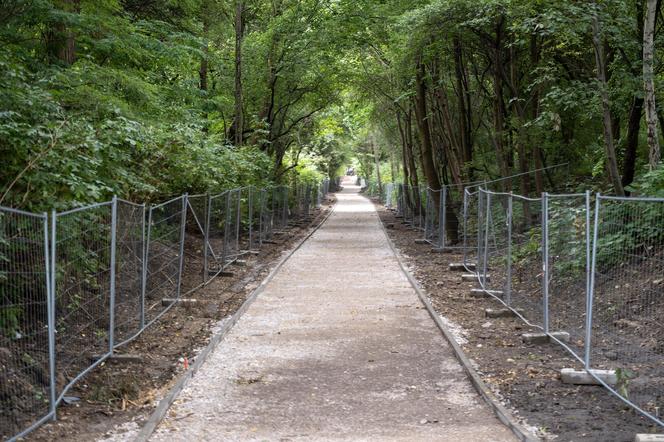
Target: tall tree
238, 126
652, 7
609, 146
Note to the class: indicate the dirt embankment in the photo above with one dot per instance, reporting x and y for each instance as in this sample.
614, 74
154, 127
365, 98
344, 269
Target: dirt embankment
124, 393
526, 377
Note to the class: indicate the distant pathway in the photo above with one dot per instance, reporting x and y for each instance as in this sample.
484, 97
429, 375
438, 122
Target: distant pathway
338, 347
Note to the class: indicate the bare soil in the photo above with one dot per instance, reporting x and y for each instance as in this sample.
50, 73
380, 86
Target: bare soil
525, 377
126, 391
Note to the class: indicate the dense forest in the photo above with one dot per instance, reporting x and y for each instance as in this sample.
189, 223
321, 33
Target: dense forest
146, 99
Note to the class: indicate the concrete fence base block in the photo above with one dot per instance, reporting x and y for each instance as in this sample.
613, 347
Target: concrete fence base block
543, 338
582, 377
500, 313
461, 267
481, 293
473, 277
421, 241
441, 250
649, 438
181, 301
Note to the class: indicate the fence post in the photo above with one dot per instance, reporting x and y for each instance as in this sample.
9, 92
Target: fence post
442, 217
250, 207
50, 307
465, 227
144, 282
111, 307
591, 285
545, 260
227, 221
480, 208
206, 238
284, 219
183, 220
508, 282
262, 194
485, 259
238, 220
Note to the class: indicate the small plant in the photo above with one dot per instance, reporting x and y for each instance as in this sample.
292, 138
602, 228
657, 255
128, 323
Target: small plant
624, 376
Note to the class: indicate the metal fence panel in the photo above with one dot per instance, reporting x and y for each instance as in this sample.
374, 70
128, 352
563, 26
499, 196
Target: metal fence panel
196, 246
628, 297
567, 265
471, 228
26, 377
495, 243
280, 206
83, 271
524, 261
267, 215
129, 256
164, 257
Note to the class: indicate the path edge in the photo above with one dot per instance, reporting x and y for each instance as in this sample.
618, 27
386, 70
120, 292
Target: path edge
504, 415
165, 403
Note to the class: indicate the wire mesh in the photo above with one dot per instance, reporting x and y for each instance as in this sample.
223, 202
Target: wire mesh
164, 257
525, 260
494, 247
568, 246
267, 215
234, 225
221, 213
627, 300
390, 194
452, 216
433, 217
471, 230
97, 276
254, 216
82, 245
280, 206
196, 248
25, 377
401, 201
301, 201
129, 256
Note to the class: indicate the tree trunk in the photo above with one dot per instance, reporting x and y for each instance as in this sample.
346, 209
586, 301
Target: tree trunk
632, 144
500, 112
649, 83
376, 155
239, 36
426, 149
609, 147
203, 70
60, 40
463, 98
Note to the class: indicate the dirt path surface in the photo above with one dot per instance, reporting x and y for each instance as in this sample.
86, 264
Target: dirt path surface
337, 347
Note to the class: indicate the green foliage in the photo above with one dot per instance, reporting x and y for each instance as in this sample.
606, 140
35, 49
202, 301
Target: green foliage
650, 184
128, 117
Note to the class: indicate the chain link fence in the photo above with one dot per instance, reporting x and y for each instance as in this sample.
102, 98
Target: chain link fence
535, 257
626, 332
591, 276
26, 382
78, 284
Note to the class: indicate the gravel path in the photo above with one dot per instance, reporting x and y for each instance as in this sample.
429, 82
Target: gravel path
337, 347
